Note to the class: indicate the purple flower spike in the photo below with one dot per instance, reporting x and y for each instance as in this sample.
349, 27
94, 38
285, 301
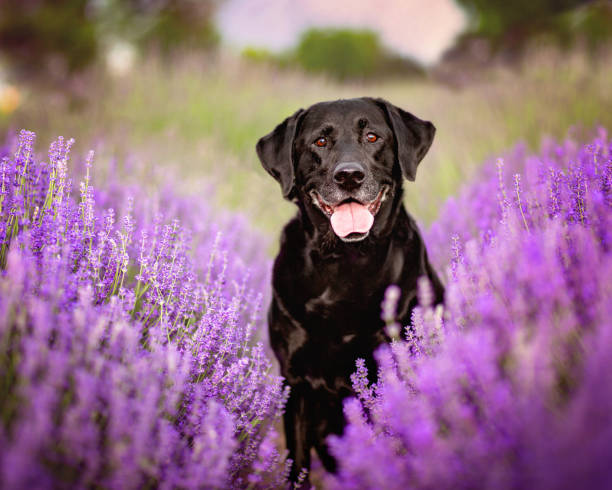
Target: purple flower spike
128, 339
508, 387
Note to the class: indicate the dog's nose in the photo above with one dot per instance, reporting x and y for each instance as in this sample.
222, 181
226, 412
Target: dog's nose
349, 174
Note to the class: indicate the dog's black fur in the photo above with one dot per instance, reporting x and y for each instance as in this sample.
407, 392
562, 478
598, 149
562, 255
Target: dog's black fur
327, 291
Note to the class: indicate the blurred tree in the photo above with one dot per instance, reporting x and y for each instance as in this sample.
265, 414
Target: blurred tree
35, 34
590, 23
343, 52
509, 26
496, 17
34, 31
163, 24
346, 53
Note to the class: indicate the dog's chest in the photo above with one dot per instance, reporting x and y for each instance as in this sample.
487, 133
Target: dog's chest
346, 292
341, 297
336, 304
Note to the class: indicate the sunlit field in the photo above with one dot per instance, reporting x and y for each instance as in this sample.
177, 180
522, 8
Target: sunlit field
201, 119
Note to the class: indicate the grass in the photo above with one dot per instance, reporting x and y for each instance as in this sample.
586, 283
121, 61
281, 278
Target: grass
203, 119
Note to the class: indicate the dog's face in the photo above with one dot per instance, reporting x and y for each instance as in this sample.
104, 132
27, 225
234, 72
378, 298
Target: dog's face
344, 161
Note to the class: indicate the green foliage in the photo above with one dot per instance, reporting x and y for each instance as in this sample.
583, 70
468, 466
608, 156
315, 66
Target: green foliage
340, 53
37, 31
34, 33
251, 53
166, 24
344, 53
591, 24
260, 55
495, 17
510, 26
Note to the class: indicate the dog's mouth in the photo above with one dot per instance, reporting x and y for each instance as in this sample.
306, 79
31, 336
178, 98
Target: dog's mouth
351, 219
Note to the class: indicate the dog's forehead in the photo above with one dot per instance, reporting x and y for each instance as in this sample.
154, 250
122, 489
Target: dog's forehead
344, 112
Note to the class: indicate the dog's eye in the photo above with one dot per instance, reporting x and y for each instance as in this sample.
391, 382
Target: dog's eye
372, 137
321, 142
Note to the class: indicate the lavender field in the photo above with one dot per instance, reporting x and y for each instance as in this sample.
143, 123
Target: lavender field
135, 278
132, 341
130, 352
509, 386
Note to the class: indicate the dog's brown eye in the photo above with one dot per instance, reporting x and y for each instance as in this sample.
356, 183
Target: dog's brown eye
321, 142
371, 137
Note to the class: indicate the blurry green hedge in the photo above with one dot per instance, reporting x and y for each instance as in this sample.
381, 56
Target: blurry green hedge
342, 54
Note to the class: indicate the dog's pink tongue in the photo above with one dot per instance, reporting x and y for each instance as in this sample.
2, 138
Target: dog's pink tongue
351, 217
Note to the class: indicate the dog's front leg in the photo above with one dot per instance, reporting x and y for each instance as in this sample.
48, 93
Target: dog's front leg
297, 432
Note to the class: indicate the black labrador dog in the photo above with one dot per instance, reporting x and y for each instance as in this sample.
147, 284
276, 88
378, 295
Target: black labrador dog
343, 164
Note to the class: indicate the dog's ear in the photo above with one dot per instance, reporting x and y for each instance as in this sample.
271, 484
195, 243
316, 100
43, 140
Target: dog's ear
413, 137
275, 151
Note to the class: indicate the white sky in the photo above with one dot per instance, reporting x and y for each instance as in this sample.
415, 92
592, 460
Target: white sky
422, 29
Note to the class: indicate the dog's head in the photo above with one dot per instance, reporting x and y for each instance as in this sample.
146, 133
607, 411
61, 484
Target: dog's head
343, 161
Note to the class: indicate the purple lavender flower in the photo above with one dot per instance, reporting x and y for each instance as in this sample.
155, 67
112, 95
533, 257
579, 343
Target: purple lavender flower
509, 386
128, 352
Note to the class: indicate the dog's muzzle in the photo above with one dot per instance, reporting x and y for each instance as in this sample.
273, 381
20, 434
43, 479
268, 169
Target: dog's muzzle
350, 219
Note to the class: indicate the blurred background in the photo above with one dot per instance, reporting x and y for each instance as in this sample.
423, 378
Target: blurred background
188, 86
